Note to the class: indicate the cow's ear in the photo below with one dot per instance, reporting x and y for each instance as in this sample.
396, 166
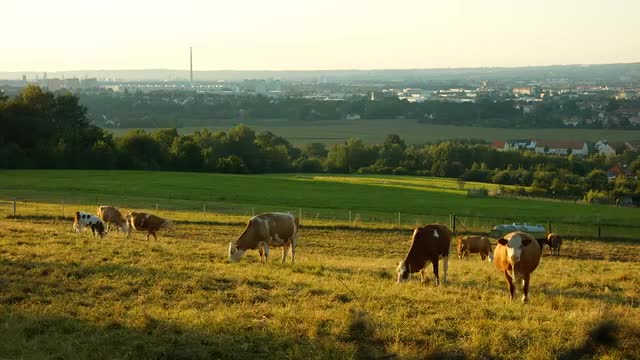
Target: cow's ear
502, 241
526, 242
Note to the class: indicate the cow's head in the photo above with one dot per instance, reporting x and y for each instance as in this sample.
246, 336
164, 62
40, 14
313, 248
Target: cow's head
514, 243
234, 253
99, 228
403, 271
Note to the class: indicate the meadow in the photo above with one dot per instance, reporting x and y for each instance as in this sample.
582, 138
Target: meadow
375, 131
332, 195
71, 296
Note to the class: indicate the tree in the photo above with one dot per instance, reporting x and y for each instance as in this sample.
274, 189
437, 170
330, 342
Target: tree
317, 150
597, 180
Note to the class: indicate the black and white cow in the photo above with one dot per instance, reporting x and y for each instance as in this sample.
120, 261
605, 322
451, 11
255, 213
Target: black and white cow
82, 220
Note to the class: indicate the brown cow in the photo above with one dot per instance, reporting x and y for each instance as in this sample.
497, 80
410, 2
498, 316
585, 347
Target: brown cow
145, 222
264, 230
555, 242
110, 215
474, 244
516, 255
428, 243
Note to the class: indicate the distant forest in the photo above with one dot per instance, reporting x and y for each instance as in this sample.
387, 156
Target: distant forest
39, 129
162, 109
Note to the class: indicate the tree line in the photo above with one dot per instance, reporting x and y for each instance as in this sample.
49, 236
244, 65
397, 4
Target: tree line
41, 130
161, 109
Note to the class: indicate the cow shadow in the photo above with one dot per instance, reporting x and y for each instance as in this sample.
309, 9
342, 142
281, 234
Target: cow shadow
609, 298
29, 336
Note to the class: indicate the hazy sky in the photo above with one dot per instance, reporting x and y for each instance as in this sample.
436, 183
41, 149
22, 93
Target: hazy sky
314, 34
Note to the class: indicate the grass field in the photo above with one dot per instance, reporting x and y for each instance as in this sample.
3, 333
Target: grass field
420, 199
69, 296
374, 131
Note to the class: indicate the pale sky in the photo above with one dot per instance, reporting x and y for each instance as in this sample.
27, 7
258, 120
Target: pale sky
65, 35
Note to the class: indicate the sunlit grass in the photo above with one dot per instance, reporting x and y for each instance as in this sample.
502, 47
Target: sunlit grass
66, 295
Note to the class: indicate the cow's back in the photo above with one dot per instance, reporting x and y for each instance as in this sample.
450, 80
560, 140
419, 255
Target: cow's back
143, 221
431, 240
282, 227
530, 257
109, 213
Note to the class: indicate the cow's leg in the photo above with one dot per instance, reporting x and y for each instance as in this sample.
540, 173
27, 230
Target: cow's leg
285, 251
525, 288
423, 274
512, 287
434, 261
446, 268
263, 249
294, 242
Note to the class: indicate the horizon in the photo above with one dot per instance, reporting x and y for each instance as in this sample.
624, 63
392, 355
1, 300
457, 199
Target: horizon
285, 35
321, 70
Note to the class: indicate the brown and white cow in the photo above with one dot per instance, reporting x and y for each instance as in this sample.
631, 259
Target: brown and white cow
269, 229
475, 245
428, 243
516, 255
110, 215
145, 222
82, 220
555, 242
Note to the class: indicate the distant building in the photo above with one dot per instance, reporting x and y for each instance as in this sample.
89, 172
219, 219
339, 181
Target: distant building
603, 148
352, 117
499, 145
619, 170
54, 84
556, 147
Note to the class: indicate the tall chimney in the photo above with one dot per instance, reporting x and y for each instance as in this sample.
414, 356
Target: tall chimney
190, 65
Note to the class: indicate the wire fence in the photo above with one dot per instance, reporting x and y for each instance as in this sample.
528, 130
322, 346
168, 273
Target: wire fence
62, 209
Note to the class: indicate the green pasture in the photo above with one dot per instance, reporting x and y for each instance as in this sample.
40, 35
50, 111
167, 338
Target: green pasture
374, 131
339, 197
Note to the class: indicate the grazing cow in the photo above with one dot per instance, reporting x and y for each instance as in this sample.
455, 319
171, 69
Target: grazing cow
555, 242
83, 220
428, 243
474, 244
145, 222
264, 230
110, 215
516, 255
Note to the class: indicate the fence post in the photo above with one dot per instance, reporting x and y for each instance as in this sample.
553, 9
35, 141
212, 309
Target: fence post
62, 208
299, 214
398, 218
204, 211
14, 207
599, 230
156, 207
549, 226
253, 213
349, 216
454, 224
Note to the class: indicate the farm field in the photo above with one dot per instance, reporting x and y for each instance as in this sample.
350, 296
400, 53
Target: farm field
67, 295
322, 197
374, 131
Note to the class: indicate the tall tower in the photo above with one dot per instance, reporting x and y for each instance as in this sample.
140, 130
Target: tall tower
190, 65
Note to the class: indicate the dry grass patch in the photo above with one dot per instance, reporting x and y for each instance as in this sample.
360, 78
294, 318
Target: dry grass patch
73, 296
